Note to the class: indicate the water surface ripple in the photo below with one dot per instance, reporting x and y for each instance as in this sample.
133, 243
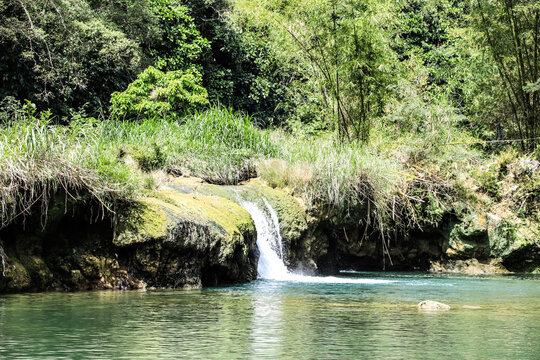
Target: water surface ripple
353, 317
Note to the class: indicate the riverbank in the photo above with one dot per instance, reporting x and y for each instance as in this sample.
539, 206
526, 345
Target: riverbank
188, 233
403, 202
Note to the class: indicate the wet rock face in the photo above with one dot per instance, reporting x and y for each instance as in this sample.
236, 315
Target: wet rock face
472, 244
74, 255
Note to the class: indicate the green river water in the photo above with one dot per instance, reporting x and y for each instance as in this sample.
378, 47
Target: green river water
354, 316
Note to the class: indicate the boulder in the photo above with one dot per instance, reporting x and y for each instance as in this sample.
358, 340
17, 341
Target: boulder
429, 305
180, 239
469, 238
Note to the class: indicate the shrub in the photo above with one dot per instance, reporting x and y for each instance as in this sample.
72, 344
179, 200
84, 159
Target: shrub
159, 94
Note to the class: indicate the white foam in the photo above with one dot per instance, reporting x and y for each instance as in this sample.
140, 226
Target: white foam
270, 265
331, 279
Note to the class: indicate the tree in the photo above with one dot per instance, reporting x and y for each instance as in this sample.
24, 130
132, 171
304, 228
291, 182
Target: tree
72, 54
240, 68
159, 94
511, 30
342, 48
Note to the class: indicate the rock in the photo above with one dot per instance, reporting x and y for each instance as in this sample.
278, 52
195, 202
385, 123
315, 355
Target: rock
501, 238
300, 246
186, 240
168, 239
429, 305
469, 238
468, 267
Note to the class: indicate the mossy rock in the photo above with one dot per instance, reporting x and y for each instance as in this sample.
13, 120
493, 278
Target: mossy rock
523, 255
469, 238
502, 236
17, 277
40, 274
291, 214
177, 236
142, 221
153, 217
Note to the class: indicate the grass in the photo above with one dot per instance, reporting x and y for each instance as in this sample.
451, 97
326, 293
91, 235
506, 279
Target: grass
324, 171
112, 161
400, 179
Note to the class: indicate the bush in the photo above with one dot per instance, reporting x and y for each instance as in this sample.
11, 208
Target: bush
159, 94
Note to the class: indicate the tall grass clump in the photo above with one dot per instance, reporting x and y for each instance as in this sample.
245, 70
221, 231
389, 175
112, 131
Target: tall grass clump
401, 179
220, 146
110, 161
345, 177
38, 159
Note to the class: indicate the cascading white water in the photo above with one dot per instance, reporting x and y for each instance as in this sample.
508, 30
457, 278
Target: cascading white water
269, 242
271, 264
276, 233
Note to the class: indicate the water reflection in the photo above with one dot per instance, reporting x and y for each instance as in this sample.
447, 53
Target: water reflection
280, 319
266, 338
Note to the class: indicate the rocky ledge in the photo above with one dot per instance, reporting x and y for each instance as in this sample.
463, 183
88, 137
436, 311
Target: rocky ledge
170, 239
189, 234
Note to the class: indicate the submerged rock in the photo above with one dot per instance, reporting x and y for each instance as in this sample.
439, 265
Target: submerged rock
429, 305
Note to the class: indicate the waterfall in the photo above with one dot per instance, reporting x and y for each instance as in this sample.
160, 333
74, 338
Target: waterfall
269, 242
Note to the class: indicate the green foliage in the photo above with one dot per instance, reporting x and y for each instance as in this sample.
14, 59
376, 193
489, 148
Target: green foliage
182, 44
158, 94
62, 55
241, 68
110, 161
72, 54
37, 159
220, 146
349, 180
490, 176
341, 47
510, 33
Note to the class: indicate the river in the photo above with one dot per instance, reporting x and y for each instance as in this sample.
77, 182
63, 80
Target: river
491, 318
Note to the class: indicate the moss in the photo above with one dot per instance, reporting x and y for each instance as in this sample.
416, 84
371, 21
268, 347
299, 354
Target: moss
40, 274
147, 157
153, 217
141, 222
17, 276
469, 238
501, 238
291, 214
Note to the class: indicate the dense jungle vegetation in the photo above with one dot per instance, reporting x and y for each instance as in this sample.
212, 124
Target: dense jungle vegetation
412, 107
